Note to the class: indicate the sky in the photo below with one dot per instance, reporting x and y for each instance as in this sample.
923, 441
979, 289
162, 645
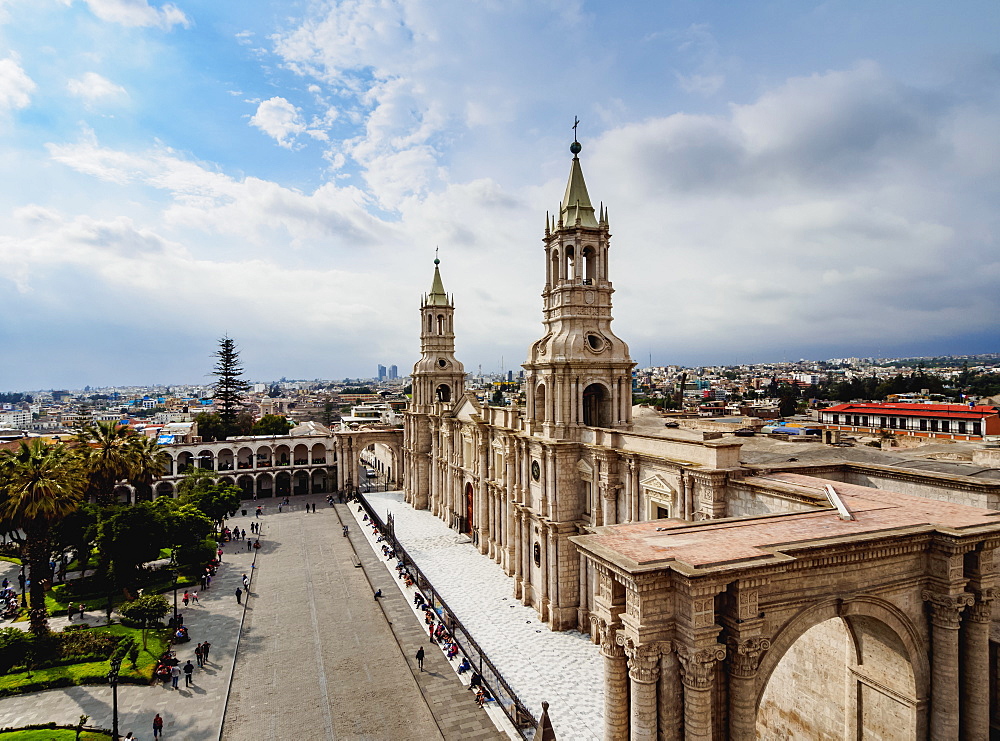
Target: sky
785, 179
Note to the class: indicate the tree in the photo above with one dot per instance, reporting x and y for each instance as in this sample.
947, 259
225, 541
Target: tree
271, 424
216, 501
39, 485
187, 529
107, 458
128, 537
230, 385
145, 611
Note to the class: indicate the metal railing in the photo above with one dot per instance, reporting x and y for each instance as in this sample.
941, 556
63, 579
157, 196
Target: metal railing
516, 711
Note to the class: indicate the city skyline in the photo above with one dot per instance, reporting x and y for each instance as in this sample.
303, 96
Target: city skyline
800, 180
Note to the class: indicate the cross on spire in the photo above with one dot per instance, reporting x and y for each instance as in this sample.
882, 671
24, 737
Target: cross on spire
576, 122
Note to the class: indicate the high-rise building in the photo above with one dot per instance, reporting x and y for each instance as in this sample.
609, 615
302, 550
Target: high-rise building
381, 373
393, 373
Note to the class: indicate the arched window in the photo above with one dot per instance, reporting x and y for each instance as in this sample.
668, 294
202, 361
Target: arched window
444, 392
570, 264
554, 277
440, 323
430, 324
540, 402
589, 265
596, 406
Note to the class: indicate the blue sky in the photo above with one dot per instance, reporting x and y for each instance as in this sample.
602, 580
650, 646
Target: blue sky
784, 179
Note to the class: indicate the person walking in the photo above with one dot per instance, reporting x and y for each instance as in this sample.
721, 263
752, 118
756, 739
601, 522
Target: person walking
204, 652
420, 658
219, 553
175, 676
199, 655
157, 726
194, 598
246, 582
188, 672
239, 596
79, 609
71, 610
249, 546
186, 598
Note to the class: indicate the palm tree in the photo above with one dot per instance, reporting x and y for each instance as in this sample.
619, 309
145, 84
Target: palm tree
106, 449
39, 484
148, 461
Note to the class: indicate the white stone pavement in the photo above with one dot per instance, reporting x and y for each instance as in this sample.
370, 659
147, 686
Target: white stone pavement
563, 668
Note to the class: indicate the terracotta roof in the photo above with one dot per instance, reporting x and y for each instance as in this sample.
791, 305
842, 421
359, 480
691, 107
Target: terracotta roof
717, 544
957, 411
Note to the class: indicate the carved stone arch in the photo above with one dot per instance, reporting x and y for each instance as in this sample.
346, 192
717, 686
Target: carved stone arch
864, 606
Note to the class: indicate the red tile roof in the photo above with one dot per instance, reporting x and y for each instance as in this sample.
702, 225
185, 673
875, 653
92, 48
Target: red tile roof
952, 411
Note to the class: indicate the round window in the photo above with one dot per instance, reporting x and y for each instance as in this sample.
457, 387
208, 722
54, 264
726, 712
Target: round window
596, 342
536, 470
442, 363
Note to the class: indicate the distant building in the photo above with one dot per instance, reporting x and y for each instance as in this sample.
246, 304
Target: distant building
381, 373
393, 373
946, 421
17, 419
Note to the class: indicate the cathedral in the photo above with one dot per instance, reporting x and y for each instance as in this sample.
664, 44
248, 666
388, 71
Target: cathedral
724, 596
522, 481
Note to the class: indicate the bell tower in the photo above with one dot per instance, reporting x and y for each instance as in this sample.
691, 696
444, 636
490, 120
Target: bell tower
579, 374
438, 377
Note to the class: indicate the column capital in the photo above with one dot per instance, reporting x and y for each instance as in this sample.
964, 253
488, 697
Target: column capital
606, 634
946, 609
698, 665
981, 610
643, 659
745, 655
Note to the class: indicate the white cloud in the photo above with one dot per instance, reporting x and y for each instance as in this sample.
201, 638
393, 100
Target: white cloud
280, 120
92, 87
15, 85
138, 13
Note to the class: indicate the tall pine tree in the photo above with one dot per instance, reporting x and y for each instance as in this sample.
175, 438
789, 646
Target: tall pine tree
229, 386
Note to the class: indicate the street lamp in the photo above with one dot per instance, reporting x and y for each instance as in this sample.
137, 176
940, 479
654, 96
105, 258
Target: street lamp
116, 665
173, 564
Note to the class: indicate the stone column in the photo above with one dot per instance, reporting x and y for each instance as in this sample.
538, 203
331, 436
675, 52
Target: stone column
615, 683
671, 711
744, 658
946, 612
644, 670
610, 495
698, 678
975, 708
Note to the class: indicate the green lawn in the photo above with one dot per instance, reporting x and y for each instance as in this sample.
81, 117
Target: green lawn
53, 734
91, 672
11, 559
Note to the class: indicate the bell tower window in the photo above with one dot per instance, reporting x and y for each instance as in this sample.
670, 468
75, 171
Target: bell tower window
570, 264
589, 266
596, 406
440, 324
443, 392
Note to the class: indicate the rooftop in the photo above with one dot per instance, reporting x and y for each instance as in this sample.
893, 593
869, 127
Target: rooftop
715, 545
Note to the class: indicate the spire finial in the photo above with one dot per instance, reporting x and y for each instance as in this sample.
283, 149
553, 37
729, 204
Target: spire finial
436, 260
575, 147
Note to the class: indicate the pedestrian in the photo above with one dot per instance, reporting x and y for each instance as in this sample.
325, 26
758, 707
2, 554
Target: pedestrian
203, 584
420, 658
194, 598
204, 651
430, 632
279, 506
239, 596
130, 737
208, 581
70, 610
246, 582
199, 655
186, 598
314, 507
79, 609
157, 726
219, 552
175, 676
378, 593
249, 546
188, 672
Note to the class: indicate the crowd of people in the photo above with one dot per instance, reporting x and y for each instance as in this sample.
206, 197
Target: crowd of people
437, 631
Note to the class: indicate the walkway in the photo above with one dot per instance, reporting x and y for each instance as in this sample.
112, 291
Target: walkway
318, 658
562, 668
191, 714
